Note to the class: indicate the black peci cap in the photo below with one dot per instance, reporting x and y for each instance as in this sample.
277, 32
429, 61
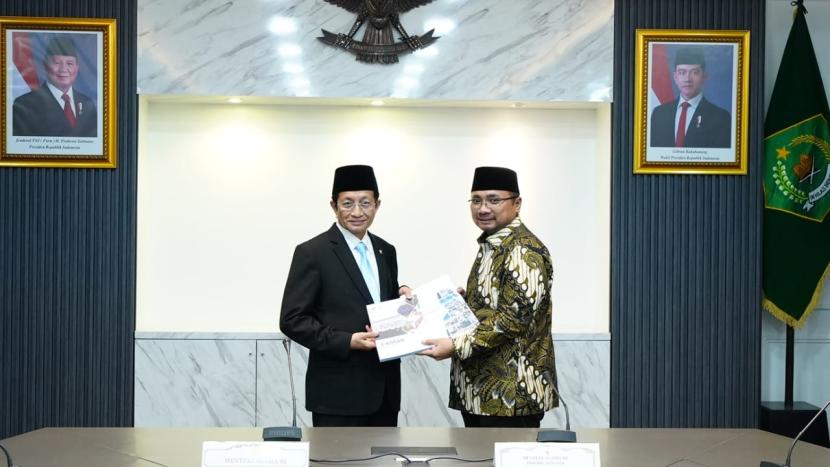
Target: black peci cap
495, 178
353, 178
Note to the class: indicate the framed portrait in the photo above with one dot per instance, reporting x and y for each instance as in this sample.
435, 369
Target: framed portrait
691, 101
58, 92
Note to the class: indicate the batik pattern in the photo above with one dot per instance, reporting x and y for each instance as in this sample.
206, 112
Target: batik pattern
506, 366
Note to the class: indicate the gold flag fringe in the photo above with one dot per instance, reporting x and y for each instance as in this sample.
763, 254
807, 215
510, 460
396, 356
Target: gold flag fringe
774, 310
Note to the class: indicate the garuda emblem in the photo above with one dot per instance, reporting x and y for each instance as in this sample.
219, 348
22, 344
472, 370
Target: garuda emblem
797, 179
380, 17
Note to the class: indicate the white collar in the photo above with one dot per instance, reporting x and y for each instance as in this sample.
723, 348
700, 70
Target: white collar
352, 240
693, 102
59, 94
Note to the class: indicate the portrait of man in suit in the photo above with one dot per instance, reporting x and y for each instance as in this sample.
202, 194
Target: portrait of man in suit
690, 120
55, 106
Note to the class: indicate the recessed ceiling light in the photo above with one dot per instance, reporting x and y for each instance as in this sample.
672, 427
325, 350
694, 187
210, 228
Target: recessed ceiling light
234, 100
429, 52
377, 103
281, 26
441, 25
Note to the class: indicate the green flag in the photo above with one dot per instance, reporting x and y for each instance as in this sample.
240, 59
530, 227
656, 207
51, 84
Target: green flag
796, 182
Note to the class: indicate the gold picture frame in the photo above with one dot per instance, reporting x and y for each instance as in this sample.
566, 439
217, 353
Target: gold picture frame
58, 92
699, 78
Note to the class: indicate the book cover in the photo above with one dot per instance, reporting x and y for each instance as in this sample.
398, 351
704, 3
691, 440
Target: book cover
435, 310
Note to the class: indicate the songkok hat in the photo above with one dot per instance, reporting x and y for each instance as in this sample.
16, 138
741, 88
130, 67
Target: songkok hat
353, 178
495, 178
61, 45
690, 56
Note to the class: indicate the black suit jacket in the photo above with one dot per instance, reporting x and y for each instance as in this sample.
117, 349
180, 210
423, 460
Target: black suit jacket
323, 305
710, 126
37, 113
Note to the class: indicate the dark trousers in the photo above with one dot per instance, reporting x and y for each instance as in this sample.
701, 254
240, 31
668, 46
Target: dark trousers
387, 415
379, 418
486, 421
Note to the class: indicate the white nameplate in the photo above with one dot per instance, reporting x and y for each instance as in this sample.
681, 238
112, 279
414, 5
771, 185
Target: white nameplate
547, 455
254, 454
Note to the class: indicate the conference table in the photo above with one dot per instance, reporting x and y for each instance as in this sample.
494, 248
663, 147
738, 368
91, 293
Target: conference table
619, 447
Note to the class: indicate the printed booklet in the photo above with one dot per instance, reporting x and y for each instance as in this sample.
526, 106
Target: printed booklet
435, 310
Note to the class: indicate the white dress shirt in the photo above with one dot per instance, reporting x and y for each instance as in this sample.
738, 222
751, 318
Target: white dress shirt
352, 241
693, 103
59, 96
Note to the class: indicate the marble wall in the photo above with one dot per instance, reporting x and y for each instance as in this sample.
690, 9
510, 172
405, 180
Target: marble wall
528, 50
195, 382
217, 379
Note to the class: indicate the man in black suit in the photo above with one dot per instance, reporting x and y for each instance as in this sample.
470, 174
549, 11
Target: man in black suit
332, 278
690, 120
56, 108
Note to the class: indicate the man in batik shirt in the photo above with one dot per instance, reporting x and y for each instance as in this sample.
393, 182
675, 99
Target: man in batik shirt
503, 373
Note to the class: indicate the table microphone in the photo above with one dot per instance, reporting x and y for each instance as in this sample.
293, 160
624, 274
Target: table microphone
286, 433
559, 436
790, 452
9, 462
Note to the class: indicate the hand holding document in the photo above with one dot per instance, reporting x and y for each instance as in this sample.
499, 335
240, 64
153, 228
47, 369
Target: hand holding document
435, 310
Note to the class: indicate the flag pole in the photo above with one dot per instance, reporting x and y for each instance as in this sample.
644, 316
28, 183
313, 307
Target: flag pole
789, 367
789, 358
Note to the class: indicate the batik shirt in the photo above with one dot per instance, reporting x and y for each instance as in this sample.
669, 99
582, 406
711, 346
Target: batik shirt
506, 366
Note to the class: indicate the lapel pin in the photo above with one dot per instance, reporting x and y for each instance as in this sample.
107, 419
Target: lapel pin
380, 251
699, 119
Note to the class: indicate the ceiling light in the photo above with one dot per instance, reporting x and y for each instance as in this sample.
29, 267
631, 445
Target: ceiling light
429, 52
281, 26
441, 25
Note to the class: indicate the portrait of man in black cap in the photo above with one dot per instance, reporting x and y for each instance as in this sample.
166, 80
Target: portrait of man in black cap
503, 372
332, 278
691, 120
56, 107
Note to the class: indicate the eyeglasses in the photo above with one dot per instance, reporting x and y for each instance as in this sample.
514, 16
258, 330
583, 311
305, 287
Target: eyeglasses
364, 205
490, 202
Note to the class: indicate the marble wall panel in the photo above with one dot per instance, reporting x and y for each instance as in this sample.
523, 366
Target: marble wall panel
584, 370
186, 382
217, 383
529, 50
